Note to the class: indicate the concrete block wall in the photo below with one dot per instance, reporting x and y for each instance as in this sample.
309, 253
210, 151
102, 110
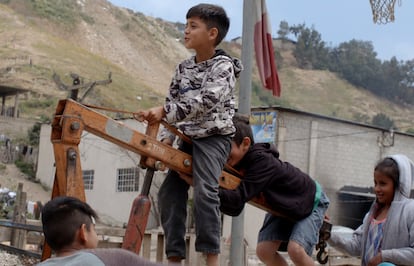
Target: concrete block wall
294, 146
335, 152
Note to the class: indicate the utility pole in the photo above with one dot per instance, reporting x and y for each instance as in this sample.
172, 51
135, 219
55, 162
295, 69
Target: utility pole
237, 255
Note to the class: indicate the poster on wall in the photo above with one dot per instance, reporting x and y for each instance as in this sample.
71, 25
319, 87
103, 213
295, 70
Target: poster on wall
264, 126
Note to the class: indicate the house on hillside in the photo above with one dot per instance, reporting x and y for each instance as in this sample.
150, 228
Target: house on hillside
13, 127
6, 92
237, 40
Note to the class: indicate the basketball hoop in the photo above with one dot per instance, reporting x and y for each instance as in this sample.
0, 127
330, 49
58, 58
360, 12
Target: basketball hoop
383, 10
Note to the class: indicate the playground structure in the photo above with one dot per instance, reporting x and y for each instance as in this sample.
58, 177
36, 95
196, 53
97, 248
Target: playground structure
72, 118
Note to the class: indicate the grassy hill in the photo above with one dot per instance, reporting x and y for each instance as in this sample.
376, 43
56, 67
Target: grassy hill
92, 38
38, 41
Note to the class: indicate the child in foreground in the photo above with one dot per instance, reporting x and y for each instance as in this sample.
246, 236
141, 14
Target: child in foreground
200, 103
386, 236
69, 229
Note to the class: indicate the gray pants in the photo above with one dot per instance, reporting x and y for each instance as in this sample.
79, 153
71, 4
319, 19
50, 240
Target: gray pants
209, 156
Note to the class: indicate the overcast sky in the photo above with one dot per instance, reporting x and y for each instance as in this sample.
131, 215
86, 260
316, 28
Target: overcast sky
337, 21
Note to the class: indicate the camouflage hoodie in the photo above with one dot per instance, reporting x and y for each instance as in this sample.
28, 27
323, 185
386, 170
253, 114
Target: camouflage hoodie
201, 97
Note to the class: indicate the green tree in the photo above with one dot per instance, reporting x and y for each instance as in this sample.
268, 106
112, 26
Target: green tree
408, 68
296, 29
391, 78
283, 31
383, 121
406, 84
34, 134
357, 63
310, 51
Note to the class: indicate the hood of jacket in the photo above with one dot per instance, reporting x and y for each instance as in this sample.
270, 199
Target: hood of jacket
222, 55
237, 64
406, 168
258, 148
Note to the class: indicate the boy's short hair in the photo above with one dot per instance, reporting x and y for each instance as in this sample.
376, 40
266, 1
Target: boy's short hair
243, 129
62, 217
214, 16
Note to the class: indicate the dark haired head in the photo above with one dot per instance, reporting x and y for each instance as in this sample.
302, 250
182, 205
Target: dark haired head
389, 167
243, 129
62, 217
214, 16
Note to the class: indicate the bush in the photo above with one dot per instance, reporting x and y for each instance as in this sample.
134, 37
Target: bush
41, 104
383, 121
34, 134
26, 168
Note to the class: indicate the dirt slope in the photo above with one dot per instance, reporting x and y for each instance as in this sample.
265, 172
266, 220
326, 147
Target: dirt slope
10, 177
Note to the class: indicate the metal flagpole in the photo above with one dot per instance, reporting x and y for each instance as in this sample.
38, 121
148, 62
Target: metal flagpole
246, 56
237, 256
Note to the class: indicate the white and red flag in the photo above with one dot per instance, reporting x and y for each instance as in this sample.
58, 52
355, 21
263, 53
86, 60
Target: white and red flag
263, 47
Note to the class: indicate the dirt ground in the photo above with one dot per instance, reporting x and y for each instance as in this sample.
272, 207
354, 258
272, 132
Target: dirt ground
10, 177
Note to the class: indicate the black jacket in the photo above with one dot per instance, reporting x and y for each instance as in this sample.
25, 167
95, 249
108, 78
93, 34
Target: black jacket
285, 188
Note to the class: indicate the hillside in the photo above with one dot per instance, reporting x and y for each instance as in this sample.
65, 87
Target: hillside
322, 92
92, 38
136, 49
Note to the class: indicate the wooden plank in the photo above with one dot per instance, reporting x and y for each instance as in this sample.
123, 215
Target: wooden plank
191, 254
14, 250
110, 231
18, 237
160, 247
146, 246
5, 234
108, 244
33, 235
34, 238
344, 262
28, 227
187, 251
